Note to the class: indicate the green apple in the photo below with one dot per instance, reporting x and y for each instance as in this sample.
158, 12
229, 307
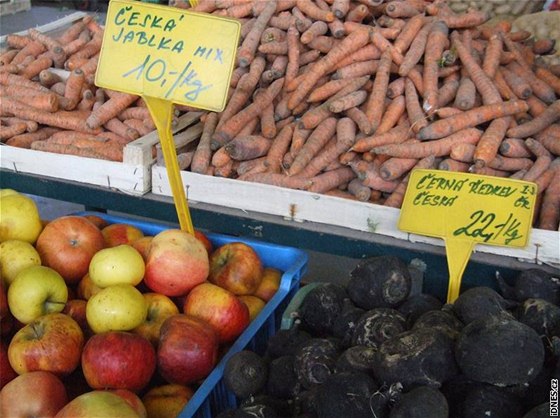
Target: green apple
19, 218
122, 264
36, 291
120, 307
97, 403
15, 255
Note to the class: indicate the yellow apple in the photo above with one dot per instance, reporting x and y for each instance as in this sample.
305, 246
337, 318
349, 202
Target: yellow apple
19, 218
160, 307
120, 307
254, 303
36, 291
6, 192
122, 264
15, 255
167, 400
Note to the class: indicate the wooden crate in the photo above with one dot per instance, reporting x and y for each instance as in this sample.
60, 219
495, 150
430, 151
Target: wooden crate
9, 7
301, 206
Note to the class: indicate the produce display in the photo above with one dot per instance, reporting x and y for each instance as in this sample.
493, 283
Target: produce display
544, 27
99, 317
371, 347
501, 8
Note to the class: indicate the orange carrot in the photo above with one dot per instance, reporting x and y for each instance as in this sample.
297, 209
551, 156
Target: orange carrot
48, 41
416, 50
317, 28
540, 165
47, 78
7, 57
277, 150
247, 147
466, 94
396, 198
514, 148
273, 34
540, 88
299, 137
413, 109
360, 119
340, 8
395, 168
549, 78
549, 215
445, 112
491, 60
536, 106
449, 164
392, 114
359, 190
280, 180
12, 130
328, 89
337, 29
366, 53
503, 87
315, 116
368, 173
331, 179
357, 69
374, 107
323, 43
489, 144
293, 64
348, 101
542, 121
105, 153
448, 91
470, 19
118, 127
396, 87
439, 148
357, 13
550, 139
73, 88
471, 118
26, 139
520, 87
314, 12
135, 112
400, 9
138, 125
383, 44
248, 48
437, 39
256, 165
110, 109
202, 155
398, 134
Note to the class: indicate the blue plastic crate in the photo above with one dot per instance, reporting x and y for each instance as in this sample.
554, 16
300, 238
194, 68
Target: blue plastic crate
212, 396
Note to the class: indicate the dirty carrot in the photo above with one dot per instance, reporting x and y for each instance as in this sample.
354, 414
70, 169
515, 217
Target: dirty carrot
359, 190
293, 64
368, 173
328, 89
331, 179
491, 60
542, 121
314, 12
540, 88
514, 148
413, 109
139, 125
250, 44
448, 91
374, 106
395, 167
73, 88
135, 112
437, 40
278, 179
242, 148
398, 134
202, 155
489, 144
549, 215
392, 114
549, 78
536, 105
360, 119
116, 126
26, 139
466, 94
348, 101
106, 153
111, 108
396, 198
517, 84
471, 118
12, 130
416, 50
396, 87
445, 112
449, 164
278, 148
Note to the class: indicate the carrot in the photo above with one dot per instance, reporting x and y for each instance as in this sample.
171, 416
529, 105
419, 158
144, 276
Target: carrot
340, 8
232, 126
540, 165
110, 109
398, 134
550, 139
360, 119
396, 87
256, 165
322, 43
248, 48
445, 112
47, 78
273, 34
280, 180
345, 135
549, 78
359, 190
331, 179
487, 147
33, 49
374, 106
278, 148
542, 121
491, 60
447, 93
357, 69
336, 29
118, 127
328, 89
24, 140
394, 168
510, 164
73, 88
368, 173
466, 94
349, 44
105, 153
392, 114
449, 164
315, 116
514, 148
78, 139
46, 40
366, 53
317, 28
383, 44
416, 50
43, 99
413, 109
293, 53
12, 130
520, 87
348, 101
7, 57
396, 198
357, 13
282, 20
470, 19
540, 88
400, 9
138, 125
312, 11
487, 171
88, 50
247, 147
471, 118
549, 215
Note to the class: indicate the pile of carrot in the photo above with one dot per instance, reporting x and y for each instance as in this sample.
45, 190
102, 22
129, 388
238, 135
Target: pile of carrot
346, 97
49, 102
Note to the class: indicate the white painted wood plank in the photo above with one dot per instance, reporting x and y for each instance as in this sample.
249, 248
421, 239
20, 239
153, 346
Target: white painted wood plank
51, 26
123, 177
299, 206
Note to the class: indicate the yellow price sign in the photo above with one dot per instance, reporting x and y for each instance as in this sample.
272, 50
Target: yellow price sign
168, 53
465, 209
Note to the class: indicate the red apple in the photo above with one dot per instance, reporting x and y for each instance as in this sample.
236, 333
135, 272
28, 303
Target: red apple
201, 236
86, 288
67, 245
218, 307
76, 308
97, 403
118, 360
33, 394
6, 372
51, 343
166, 400
177, 262
6, 319
236, 267
270, 284
254, 304
120, 233
187, 350
98, 221
133, 400
142, 245
160, 307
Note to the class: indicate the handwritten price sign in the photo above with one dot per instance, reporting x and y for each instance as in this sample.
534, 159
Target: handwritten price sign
466, 209
168, 53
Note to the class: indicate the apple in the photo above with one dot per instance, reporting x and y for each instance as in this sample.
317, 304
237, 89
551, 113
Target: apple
67, 244
160, 307
116, 308
4, 309
97, 220
15, 255
97, 403
187, 350
201, 236
19, 217
133, 400
166, 401
218, 307
36, 291
118, 360
33, 394
121, 264
76, 309
52, 343
177, 262
254, 304
270, 284
235, 266
7, 373
86, 288
120, 233
143, 246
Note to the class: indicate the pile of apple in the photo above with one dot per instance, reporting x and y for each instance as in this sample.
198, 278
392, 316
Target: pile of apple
99, 320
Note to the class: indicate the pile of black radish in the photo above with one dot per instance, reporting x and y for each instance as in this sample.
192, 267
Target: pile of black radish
371, 348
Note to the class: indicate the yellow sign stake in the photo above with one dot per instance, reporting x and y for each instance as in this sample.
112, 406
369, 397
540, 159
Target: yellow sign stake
168, 55
465, 209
